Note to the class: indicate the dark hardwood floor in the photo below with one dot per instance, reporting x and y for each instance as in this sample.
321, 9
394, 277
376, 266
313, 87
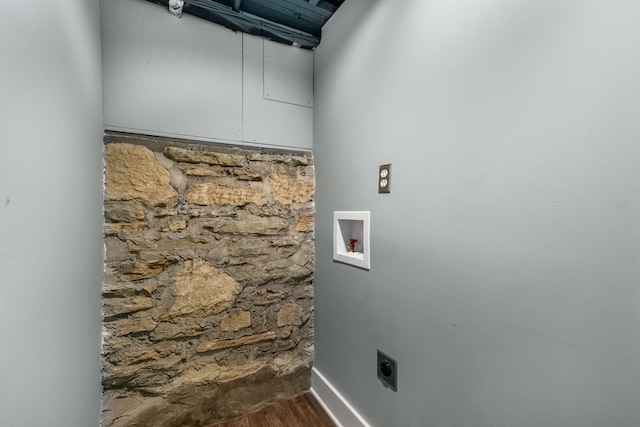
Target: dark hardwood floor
302, 411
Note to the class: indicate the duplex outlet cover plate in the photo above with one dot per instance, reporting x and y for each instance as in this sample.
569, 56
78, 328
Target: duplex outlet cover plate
384, 179
388, 371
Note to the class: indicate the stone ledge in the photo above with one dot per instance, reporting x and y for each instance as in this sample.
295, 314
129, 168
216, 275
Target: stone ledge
252, 339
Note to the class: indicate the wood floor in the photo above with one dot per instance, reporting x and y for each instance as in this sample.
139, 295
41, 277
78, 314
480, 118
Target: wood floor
302, 411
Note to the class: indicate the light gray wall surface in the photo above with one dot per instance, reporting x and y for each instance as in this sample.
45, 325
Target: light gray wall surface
505, 263
190, 78
50, 213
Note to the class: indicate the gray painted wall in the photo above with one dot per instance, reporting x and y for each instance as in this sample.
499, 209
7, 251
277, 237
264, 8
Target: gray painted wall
506, 260
50, 213
190, 78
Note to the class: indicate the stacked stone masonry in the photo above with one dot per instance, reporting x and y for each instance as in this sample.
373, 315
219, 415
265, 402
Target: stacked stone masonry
208, 299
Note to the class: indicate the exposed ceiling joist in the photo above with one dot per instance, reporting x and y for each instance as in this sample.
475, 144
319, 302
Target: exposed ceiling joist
294, 22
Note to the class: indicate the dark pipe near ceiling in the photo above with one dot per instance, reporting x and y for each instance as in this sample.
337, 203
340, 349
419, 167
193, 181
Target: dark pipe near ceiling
238, 21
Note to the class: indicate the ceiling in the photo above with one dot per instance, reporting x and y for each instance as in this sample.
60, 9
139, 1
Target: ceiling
293, 22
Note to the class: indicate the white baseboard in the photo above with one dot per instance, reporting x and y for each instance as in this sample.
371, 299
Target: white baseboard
340, 411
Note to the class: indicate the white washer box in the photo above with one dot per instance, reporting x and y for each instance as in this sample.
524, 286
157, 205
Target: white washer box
348, 225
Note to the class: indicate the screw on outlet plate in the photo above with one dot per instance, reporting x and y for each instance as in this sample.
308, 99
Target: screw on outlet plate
388, 371
384, 179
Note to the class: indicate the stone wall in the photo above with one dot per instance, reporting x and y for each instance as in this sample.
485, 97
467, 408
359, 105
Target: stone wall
207, 300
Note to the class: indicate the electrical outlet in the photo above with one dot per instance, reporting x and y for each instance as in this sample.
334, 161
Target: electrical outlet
384, 179
387, 371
